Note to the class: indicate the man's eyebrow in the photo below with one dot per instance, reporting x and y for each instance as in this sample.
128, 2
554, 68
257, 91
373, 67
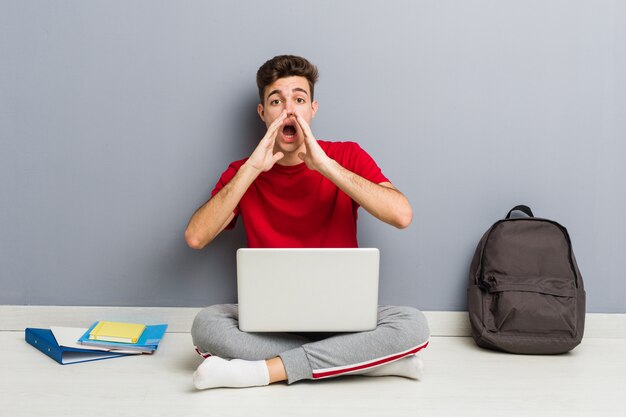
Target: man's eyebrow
277, 91
273, 92
301, 89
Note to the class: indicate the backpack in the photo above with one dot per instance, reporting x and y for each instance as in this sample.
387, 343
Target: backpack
525, 291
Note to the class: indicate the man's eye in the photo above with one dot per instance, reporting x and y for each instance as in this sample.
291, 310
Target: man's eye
275, 102
300, 100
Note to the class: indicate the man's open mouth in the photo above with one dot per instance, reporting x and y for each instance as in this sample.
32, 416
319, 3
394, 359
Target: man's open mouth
289, 131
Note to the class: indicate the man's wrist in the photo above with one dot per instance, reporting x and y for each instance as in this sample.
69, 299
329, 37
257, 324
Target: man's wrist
249, 172
329, 169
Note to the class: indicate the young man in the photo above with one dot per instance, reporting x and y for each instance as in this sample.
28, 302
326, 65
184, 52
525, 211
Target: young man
297, 191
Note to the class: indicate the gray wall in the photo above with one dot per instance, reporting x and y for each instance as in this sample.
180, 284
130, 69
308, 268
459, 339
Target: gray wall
117, 117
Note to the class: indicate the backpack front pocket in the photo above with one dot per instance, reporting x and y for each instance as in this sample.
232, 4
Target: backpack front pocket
528, 305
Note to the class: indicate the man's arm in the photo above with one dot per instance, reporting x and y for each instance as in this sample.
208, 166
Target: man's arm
383, 200
213, 217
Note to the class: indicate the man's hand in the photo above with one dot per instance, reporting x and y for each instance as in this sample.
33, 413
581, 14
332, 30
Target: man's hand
263, 158
315, 157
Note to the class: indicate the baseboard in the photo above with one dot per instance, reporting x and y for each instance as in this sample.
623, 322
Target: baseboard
179, 319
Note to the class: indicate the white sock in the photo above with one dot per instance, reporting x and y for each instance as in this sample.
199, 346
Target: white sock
216, 372
408, 367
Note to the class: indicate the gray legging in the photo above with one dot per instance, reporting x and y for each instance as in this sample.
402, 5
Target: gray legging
401, 331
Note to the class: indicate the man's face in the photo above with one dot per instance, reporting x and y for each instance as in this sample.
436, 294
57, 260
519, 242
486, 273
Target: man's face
291, 94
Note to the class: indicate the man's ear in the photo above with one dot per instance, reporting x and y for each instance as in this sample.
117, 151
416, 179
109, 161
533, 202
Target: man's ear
314, 107
261, 111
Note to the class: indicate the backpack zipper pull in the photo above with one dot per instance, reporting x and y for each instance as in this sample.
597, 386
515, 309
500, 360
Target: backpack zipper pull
485, 284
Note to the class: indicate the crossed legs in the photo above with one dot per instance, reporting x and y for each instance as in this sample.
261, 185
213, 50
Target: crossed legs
263, 358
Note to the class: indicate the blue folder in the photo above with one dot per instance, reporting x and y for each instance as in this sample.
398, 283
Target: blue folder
43, 339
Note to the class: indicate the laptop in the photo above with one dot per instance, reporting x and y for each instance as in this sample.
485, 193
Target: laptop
307, 290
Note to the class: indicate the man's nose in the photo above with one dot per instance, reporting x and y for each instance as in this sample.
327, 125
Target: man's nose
290, 108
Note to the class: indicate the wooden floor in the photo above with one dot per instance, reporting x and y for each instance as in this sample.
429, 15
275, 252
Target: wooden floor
460, 380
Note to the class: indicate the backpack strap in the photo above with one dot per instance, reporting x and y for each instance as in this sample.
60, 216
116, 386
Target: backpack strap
525, 209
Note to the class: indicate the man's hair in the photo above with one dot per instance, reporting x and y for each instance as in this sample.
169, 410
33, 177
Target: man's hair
282, 66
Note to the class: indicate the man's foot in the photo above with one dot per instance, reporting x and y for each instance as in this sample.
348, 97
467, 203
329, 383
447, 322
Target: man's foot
216, 372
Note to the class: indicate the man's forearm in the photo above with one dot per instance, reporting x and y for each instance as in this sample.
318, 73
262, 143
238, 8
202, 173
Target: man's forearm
212, 217
383, 201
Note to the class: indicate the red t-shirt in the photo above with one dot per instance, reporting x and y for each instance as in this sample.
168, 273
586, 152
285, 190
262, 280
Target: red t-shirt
295, 207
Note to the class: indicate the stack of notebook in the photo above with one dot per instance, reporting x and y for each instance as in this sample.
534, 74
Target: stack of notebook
126, 336
103, 340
